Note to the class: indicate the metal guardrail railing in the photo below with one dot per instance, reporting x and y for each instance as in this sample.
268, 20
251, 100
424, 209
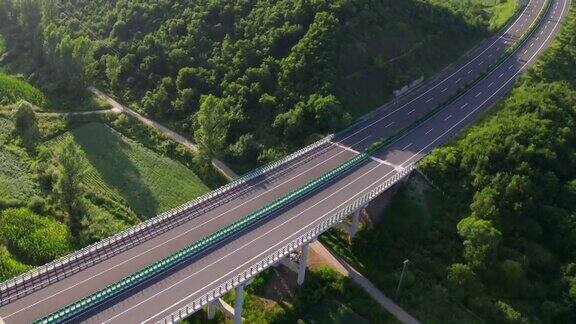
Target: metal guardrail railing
68, 265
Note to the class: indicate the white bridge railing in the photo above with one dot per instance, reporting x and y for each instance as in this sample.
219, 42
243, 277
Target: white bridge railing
248, 273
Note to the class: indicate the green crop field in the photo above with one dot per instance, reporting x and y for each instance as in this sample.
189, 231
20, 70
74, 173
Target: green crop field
13, 89
126, 171
16, 181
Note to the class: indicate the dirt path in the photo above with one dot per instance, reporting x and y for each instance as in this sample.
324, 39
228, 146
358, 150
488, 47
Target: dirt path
345, 269
81, 113
116, 106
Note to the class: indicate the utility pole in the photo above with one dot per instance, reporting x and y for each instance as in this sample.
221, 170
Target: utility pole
402, 275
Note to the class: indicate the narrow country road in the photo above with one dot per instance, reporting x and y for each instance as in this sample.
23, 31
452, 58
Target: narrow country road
116, 106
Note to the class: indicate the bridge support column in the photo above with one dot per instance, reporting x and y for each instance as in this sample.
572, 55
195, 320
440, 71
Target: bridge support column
211, 308
302, 264
355, 222
238, 304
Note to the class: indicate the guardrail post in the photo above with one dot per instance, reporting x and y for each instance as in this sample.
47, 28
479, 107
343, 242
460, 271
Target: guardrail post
302, 263
238, 304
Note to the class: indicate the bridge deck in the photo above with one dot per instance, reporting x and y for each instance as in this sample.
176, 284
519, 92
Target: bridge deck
171, 291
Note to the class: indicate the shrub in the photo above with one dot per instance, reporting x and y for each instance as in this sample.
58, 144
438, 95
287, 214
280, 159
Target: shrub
26, 124
13, 90
35, 238
9, 267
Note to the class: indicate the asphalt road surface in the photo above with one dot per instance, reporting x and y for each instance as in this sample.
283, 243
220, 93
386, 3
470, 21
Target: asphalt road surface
160, 297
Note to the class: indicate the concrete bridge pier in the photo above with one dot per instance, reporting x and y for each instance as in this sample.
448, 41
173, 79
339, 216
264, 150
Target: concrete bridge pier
302, 263
238, 304
211, 308
231, 312
356, 220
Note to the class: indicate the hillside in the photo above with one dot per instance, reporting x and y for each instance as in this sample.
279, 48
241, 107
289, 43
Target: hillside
492, 237
280, 72
123, 170
67, 182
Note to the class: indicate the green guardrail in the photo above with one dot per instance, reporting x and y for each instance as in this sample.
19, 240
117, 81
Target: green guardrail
77, 308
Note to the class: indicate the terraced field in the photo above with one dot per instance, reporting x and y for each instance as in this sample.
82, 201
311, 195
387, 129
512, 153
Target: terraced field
125, 171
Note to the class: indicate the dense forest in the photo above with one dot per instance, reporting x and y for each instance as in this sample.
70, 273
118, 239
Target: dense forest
517, 172
248, 80
488, 222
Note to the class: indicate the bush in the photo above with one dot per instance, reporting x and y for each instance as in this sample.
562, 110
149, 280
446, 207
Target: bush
97, 224
34, 238
13, 90
26, 124
9, 267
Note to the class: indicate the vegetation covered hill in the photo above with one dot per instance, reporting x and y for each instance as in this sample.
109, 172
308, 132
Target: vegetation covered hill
497, 241
66, 183
279, 73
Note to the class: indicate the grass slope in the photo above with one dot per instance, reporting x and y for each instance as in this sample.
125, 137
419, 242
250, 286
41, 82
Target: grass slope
502, 12
13, 89
123, 169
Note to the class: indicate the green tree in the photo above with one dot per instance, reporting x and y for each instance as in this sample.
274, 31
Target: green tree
71, 168
113, 70
572, 289
212, 126
462, 280
26, 124
481, 241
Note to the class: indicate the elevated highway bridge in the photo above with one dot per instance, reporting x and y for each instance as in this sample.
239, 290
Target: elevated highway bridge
173, 265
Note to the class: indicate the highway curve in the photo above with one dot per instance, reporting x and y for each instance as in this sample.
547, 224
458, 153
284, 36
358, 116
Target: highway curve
158, 298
